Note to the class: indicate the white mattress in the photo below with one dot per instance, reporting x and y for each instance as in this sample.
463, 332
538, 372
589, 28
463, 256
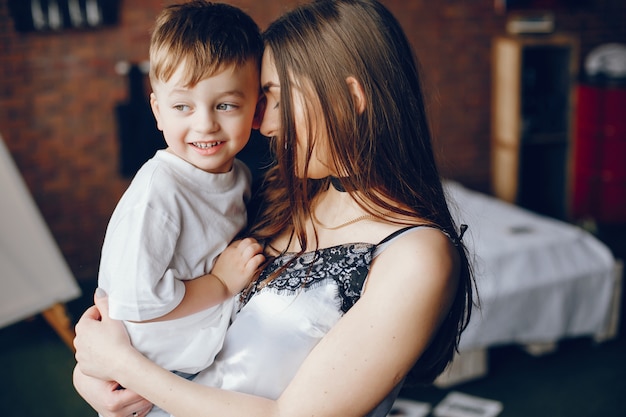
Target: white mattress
539, 279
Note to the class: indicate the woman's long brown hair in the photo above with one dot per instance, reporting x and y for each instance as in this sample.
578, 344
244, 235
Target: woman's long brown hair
383, 152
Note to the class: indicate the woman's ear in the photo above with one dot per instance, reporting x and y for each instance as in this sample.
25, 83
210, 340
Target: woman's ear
154, 105
358, 95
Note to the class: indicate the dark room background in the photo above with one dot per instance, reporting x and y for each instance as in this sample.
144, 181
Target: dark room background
59, 90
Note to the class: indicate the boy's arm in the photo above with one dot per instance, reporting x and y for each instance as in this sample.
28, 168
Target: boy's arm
232, 272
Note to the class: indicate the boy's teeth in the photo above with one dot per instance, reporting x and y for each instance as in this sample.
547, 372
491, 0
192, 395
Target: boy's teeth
203, 145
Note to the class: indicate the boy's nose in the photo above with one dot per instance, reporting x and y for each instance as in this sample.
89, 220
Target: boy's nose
206, 122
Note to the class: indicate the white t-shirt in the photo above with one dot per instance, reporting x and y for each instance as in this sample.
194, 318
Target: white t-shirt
169, 226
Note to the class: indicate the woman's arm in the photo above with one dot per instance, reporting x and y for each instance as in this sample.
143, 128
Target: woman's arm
368, 352
105, 351
409, 291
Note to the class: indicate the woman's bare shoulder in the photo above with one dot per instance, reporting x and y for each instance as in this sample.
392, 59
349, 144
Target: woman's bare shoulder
417, 256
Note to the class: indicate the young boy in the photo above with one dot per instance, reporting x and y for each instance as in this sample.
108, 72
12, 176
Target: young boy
188, 202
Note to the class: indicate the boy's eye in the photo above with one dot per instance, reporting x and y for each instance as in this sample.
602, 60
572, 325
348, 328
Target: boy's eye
181, 107
226, 106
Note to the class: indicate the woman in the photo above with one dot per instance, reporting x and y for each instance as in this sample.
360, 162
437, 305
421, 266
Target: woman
367, 278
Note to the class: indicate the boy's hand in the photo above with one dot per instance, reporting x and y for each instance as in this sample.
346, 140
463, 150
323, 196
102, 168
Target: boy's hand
238, 264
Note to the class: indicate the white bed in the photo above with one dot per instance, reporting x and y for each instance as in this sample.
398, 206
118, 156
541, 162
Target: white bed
539, 280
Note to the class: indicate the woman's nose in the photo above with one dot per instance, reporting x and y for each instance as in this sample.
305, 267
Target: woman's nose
270, 123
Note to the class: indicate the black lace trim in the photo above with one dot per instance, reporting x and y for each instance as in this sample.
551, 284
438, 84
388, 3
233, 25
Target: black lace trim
348, 265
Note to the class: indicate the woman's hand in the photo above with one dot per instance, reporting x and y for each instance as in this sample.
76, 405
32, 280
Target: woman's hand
97, 338
100, 341
108, 398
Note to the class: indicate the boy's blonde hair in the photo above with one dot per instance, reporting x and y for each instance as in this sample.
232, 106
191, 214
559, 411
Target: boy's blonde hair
207, 37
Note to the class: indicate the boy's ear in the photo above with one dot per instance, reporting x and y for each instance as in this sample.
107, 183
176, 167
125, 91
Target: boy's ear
154, 105
358, 95
259, 112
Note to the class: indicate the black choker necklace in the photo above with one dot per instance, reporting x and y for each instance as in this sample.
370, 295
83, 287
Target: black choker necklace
337, 184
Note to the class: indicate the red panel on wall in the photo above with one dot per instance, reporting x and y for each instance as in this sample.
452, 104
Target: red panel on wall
599, 183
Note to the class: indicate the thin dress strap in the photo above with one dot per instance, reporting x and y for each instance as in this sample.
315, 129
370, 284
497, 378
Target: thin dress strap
399, 232
393, 236
389, 239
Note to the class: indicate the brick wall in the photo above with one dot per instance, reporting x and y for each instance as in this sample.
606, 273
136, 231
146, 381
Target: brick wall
58, 92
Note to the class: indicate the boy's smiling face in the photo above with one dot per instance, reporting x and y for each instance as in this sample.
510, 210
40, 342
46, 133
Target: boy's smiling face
209, 123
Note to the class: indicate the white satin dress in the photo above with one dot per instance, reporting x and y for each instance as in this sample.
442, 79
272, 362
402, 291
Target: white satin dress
278, 325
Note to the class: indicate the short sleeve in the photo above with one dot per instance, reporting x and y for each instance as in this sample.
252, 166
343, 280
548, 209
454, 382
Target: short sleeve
135, 266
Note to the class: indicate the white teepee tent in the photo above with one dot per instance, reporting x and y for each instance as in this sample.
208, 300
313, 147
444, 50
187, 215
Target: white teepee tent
34, 276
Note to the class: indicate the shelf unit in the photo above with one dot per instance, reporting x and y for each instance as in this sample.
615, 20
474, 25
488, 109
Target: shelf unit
532, 104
